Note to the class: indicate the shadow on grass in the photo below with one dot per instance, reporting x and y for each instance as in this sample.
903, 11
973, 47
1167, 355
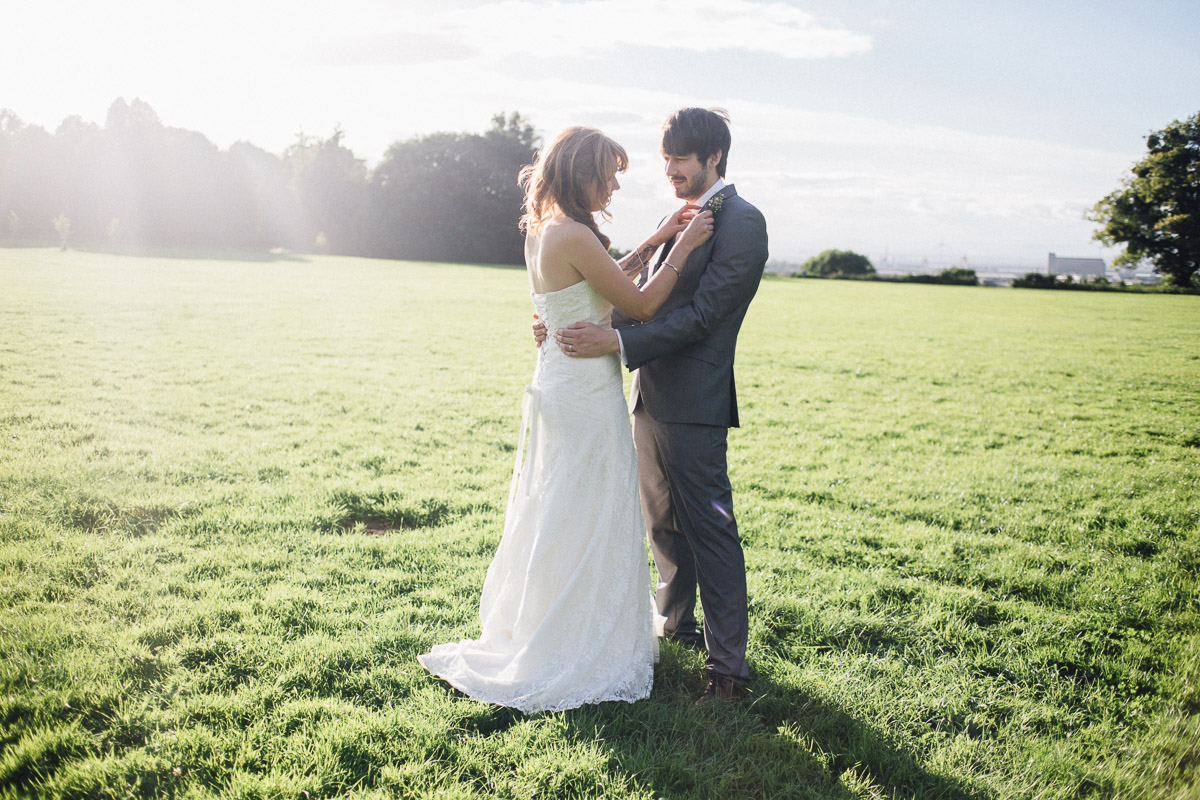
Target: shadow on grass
853, 747
783, 743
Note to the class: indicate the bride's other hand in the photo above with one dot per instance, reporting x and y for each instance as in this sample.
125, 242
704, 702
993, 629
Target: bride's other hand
698, 230
539, 331
674, 224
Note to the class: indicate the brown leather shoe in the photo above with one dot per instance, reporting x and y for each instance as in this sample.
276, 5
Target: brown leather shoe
721, 688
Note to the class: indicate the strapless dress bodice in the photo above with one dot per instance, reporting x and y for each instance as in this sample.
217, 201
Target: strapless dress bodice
578, 302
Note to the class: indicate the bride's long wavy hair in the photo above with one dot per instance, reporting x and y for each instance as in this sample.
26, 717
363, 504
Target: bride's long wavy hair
568, 175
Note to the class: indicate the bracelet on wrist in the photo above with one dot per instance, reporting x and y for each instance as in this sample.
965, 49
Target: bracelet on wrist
673, 267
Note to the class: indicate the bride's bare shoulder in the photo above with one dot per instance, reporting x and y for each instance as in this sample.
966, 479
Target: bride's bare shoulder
564, 229
565, 235
560, 239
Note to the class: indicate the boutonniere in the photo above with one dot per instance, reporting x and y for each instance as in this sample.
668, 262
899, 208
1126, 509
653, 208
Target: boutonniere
714, 203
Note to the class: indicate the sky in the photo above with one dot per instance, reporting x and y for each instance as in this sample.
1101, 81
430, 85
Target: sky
912, 131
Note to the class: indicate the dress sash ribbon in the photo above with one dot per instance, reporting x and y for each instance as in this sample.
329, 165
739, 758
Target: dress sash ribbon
529, 411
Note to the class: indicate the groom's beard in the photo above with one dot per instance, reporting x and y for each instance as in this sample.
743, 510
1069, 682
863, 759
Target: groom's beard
695, 187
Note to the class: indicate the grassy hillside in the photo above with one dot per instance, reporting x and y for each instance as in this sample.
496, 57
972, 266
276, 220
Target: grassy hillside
238, 498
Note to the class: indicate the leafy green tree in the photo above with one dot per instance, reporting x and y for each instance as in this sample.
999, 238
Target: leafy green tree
134, 165
959, 276
200, 193
9, 122
1156, 212
263, 190
953, 276
837, 264
76, 180
1035, 280
331, 187
452, 196
28, 184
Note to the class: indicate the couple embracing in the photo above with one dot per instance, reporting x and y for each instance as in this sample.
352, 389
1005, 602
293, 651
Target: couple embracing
567, 617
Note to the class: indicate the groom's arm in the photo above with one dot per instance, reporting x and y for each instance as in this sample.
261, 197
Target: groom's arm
729, 281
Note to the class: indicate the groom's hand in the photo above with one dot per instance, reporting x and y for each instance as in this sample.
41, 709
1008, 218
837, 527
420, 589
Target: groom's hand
587, 340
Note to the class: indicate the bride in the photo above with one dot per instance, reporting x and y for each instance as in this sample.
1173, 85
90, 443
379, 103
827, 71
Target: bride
566, 610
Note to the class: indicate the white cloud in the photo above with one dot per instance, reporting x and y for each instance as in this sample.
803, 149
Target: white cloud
593, 28
860, 182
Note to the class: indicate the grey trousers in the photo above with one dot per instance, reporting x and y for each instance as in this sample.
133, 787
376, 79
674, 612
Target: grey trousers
688, 504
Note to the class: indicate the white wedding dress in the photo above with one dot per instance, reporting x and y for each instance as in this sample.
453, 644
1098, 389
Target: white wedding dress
566, 606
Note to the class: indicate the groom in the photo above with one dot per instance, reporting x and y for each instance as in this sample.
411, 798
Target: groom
683, 401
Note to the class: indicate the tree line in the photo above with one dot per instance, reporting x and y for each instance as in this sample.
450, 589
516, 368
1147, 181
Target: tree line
849, 265
135, 183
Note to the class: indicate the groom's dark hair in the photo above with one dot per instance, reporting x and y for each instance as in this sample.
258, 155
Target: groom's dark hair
702, 131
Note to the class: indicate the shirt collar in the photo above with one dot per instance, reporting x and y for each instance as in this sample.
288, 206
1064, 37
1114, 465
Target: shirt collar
712, 190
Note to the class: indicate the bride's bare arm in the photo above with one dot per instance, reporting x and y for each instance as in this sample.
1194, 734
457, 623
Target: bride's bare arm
589, 257
633, 263
636, 261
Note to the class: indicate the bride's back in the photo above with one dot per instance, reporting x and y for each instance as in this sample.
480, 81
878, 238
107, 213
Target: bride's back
546, 255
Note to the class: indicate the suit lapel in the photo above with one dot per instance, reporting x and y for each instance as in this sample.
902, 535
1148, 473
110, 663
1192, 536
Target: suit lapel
727, 191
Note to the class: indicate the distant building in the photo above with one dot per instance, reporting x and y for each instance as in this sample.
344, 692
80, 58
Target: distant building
1080, 267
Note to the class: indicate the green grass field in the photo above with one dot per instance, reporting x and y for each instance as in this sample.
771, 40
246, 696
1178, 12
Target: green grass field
238, 498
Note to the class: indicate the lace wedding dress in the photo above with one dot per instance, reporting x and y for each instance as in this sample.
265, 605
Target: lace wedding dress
566, 606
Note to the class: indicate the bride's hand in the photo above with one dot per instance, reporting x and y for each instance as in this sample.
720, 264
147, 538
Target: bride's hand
674, 224
539, 331
697, 231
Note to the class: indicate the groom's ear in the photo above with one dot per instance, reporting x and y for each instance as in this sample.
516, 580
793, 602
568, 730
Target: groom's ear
714, 159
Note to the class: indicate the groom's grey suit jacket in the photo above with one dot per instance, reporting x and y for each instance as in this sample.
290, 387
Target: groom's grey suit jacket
684, 354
